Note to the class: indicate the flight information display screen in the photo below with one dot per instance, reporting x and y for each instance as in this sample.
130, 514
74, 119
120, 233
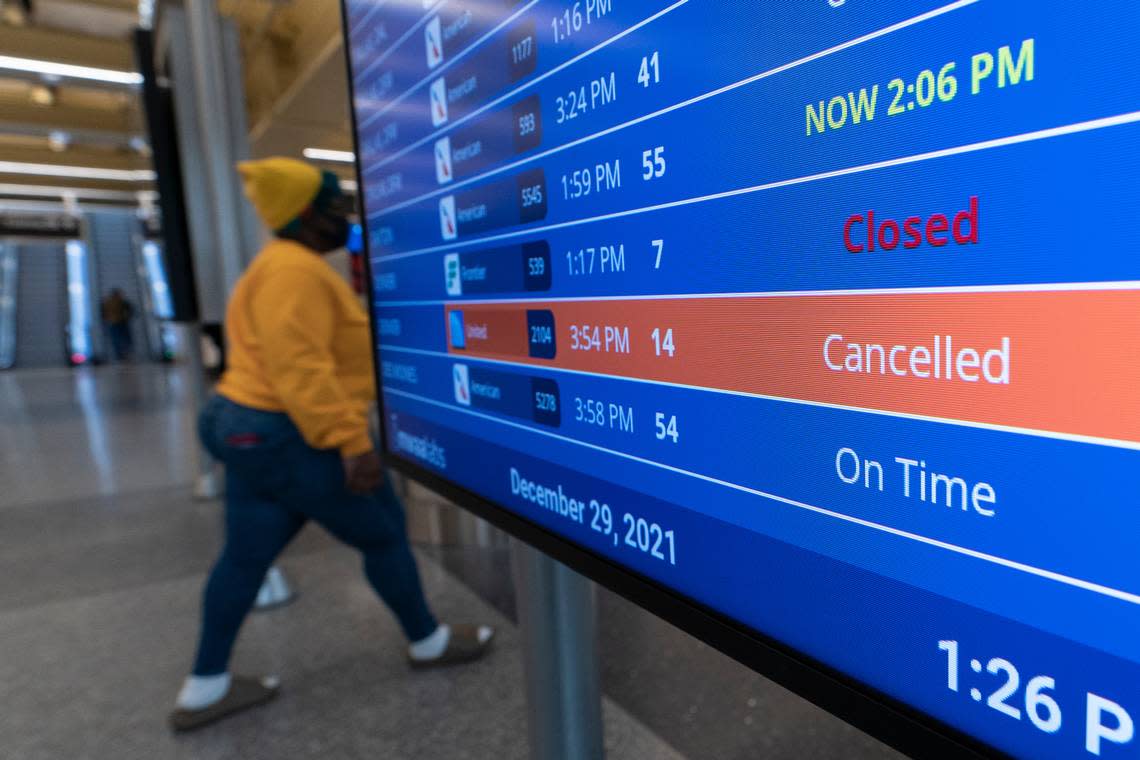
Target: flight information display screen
821, 314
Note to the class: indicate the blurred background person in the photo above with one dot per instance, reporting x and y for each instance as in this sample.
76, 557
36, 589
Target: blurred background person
290, 420
117, 314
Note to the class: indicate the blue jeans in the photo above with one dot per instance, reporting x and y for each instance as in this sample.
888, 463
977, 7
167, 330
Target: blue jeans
275, 483
122, 343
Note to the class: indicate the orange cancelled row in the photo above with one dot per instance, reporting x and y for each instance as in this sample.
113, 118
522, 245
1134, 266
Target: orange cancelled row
1066, 362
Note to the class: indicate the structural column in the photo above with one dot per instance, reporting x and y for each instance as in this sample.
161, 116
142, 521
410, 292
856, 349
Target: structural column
208, 55
558, 622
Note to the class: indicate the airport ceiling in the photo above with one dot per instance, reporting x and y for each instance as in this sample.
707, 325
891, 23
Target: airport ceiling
82, 141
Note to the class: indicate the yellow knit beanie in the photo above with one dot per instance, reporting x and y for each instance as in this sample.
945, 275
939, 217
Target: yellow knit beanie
279, 188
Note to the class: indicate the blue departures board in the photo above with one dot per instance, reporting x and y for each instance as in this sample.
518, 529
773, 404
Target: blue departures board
824, 314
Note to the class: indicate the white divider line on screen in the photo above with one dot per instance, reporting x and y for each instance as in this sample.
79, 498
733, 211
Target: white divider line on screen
686, 103
1051, 434
449, 62
1048, 287
525, 85
401, 40
360, 23
999, 142
1067, 580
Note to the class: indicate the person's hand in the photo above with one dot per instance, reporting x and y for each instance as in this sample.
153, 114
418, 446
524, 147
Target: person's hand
363, 473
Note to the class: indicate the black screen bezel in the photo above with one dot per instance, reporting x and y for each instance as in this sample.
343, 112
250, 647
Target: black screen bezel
881, 716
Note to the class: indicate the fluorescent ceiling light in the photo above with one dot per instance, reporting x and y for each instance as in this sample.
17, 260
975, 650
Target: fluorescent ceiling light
79, 172
43, 95
322, 154
31, 207
146, 14
51, 68
58, 140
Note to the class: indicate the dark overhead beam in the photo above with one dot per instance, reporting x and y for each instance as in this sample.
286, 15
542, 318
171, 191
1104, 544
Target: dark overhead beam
125, 6
27, 116
65, 47
74, 156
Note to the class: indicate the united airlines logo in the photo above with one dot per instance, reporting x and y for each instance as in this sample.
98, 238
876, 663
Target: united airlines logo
456, 330
443, 171
433, 40
438, 103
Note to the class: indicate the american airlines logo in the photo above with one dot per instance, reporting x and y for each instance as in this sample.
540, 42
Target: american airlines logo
461, 380
447, 225
433, 41
438, 103
443, 173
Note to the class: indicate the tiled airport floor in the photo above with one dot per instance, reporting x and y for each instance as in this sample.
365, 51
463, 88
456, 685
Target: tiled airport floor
701, 702
102, 556
71, 434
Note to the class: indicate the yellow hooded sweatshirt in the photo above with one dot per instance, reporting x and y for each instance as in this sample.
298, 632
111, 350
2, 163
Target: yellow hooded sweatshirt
297, 337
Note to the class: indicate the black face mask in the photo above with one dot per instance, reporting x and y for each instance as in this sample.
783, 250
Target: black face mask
333, 231
339, 232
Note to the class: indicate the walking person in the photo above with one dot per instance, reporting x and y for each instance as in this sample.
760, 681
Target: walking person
117, 314
290, 422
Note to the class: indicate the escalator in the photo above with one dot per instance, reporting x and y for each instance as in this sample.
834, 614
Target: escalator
41, 305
